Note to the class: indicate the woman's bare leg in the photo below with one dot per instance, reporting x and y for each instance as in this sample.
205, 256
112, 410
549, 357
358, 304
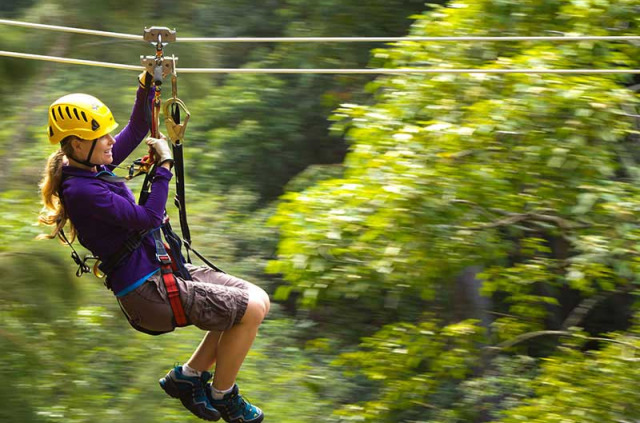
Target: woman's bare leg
228, 349
204, 357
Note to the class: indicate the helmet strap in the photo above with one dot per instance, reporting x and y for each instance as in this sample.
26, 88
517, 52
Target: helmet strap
87, 161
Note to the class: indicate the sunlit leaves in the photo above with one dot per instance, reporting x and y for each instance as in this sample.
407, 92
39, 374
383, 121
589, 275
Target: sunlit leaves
409, 362
532, 177
585, 387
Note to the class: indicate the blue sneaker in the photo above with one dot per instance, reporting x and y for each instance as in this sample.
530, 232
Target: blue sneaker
235, 409
192, 392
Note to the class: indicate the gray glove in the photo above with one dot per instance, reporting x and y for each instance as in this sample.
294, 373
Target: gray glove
161, 149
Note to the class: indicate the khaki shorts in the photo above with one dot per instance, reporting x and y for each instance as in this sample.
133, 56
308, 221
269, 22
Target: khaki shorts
212, 301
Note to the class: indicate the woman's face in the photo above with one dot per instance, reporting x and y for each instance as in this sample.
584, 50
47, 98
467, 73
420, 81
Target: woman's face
102, 153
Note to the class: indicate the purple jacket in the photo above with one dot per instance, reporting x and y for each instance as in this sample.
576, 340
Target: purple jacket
105, 214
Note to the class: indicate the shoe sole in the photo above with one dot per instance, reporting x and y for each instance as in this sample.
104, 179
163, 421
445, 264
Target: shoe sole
171, 388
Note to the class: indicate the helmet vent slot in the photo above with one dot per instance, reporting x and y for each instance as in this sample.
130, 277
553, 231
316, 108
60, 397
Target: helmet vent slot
94, 125
84, 117
68, 112
60, 113
75, 112
53, 114
50, 131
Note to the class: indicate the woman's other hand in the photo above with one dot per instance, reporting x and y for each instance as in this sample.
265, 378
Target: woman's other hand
162, 151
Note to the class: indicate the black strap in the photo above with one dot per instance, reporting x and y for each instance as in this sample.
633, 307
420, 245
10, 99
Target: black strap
135, 240
175, 245
83, 267
93, 146
146, 185
87, 162
180, 199
129, 246
204, 259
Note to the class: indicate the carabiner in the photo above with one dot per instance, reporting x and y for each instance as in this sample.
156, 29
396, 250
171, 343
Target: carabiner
96, 270
176, 130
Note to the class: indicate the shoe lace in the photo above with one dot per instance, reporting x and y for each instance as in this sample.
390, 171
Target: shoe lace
201, 384
238, 403
198, 388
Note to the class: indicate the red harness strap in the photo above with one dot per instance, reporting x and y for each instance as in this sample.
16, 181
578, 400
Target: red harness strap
173, 293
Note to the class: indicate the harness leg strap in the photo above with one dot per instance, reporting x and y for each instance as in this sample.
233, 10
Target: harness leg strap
169, 280
173, 293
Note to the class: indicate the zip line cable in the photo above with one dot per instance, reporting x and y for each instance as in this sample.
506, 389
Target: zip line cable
70, 61
410, 70
73, 30
320, 71
320, 39
400, 39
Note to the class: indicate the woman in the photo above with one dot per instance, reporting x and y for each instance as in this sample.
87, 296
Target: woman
79, 189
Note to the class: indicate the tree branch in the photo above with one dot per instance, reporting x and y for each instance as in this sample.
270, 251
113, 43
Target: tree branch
635, 87
531, 335
511, 219
526, 336
582, 310
483, 210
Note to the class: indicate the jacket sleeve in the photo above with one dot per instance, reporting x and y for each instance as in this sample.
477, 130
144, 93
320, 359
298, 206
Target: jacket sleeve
136, 129
106, 206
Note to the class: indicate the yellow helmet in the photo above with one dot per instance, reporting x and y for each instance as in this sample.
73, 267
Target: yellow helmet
81, 115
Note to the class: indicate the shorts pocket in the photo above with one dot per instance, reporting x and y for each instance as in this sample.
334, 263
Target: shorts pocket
214, 307
151, 291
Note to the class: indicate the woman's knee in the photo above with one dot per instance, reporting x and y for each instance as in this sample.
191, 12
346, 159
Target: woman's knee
259, 295
257, 307
266, 302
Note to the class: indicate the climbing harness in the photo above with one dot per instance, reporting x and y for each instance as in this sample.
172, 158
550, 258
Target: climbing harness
169, 250
83, 267
169, 266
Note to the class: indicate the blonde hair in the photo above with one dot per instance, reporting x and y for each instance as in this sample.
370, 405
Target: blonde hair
53, 212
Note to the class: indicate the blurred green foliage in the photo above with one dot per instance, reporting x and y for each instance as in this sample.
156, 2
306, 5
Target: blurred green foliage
530, 178
450, 248
67, 352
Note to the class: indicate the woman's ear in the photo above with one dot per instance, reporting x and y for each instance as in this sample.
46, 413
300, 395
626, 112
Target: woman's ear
75, 144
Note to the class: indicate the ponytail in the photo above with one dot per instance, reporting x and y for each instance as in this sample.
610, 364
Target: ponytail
53, 212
